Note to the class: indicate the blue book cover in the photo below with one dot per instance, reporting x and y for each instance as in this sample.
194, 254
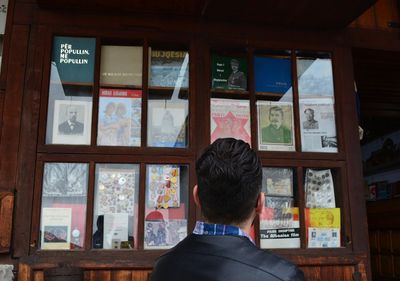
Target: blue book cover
272, 74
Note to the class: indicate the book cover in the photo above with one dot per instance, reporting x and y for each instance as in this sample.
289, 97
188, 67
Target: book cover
167, 124
228, 73
323, 227
116, 191
115, 230
279, 228
74, 58
275, 126
164, 234
120, 115
278, 181
65, 180
121, 65
272, 74
163, 186
169, 69
319, 189
56, 228
230, 118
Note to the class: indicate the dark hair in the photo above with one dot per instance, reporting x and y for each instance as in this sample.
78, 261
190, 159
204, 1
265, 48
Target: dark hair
229, 175
309, 109
276, 108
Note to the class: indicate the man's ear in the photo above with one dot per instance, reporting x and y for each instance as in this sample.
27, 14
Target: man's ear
260, 203
196, 196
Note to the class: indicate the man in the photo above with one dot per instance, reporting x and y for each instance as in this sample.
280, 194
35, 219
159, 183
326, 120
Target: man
71, 126
229, 175
237, 79
276, 132
310, 122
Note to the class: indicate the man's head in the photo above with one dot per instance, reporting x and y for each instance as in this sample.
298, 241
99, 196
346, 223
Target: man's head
229, 175
235, 65
276, 116
72, 113
309, 112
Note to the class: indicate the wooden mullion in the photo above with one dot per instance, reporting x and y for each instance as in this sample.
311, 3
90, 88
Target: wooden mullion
252, 98
145, 92
295, 100
90, 206
142, 207
36, 208
96, 92
301, 205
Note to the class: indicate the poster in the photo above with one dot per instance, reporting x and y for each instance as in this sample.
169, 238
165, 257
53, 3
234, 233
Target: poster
121, 65
279, 228
56, 228
163, 186
65, 180
120, 115
169, 69
276, 202
164, 234
72, 122
230, 118
272, 74
319, 188
115, 230
229, 73
323, 227
317, 125
74, 58
275, 126
278, 181
116, 191
3, 16
167, 124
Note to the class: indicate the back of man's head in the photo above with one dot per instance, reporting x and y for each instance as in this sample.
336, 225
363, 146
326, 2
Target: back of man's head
229, 175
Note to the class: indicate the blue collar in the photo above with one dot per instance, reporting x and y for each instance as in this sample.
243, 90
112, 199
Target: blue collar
203, 228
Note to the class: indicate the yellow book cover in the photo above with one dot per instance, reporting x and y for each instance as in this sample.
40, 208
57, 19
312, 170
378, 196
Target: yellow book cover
323, 217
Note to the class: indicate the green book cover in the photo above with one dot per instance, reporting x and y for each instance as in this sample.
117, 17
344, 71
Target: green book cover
74, 58
229, 73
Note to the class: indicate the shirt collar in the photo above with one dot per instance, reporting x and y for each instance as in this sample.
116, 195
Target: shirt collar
203, 228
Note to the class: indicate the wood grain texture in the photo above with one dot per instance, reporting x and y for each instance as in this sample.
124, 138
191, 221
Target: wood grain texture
6, 219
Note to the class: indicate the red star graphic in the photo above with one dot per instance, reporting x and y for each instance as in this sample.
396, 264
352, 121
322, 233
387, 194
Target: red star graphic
230, 126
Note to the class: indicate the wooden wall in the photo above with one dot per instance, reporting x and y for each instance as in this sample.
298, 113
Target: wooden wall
382, 15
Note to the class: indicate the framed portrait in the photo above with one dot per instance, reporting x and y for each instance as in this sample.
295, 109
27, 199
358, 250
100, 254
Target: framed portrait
275, 126
72, 122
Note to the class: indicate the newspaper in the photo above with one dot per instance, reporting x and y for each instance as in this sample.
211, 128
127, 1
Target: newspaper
317, 125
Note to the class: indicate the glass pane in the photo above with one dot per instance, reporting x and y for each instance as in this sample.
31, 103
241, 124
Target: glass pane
69, 114
230, 118
323, 218
169, 69
317, 103
120, 115
63, 212
3, 17
166, 205
121, 66
279, 221
115, 216
228, 73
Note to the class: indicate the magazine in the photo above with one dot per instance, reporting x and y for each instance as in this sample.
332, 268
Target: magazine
323, 227
229, 73
120, 113
275, 126
56, 228
317, 125
169, 69
272, 74
163, 186
319, 189
278, 202
230, 118
278, 181
164, 234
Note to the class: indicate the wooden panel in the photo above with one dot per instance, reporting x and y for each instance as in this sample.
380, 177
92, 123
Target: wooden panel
38, 276
385, 239
396, 241
141, 275
384, 13
374, 241
366, 20
386, 265
24, 272
6, 217
375, 261
122, 275
396, 265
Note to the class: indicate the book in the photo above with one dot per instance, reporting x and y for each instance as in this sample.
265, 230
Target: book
115, 230
163, 186
56, 228
167, 124
278, 202
115, 191
74, 58
230, 118
278, 181
169, 69
120, 115
323, 227
65, 180
272, 74
275, 126
164, 234
279, 228
228, 73
121, 65
319, 189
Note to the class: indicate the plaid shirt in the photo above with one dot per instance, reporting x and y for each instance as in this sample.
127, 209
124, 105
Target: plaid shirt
203, 228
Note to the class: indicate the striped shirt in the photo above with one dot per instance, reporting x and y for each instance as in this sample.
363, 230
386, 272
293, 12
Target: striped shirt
203, 228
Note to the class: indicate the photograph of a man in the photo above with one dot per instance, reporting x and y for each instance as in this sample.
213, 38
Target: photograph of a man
310, 123
71, 126
237, 79
228, 193
276, 132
